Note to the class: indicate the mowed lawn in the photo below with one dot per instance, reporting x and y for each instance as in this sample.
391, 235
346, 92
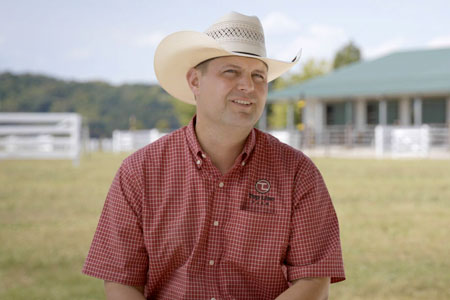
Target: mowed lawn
394, 218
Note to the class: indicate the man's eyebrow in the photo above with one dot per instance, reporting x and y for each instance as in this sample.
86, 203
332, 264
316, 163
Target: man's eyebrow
232, 66
239, 67
261, 71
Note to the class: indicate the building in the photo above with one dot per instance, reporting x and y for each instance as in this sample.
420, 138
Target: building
409, 88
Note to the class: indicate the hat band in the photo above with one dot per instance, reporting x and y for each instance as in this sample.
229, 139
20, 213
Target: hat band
247, 53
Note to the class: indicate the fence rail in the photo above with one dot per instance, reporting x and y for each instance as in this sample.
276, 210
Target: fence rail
338, 139
40, 136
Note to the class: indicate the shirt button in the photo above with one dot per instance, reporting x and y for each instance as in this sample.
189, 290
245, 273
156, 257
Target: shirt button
216, 223
213, 298
221, 184
203, 155
243, 163
198, 162
211, 262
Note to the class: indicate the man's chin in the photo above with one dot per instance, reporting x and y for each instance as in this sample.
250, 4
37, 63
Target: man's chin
242, 121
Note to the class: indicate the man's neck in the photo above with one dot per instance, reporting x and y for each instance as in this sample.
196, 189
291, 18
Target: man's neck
222, 144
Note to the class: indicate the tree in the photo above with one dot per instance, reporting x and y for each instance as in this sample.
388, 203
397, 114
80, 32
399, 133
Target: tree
183, 111
346, 55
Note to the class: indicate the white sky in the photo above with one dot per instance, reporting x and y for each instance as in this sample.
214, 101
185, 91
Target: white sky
114, 40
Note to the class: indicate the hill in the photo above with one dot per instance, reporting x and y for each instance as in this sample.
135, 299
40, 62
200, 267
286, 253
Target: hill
104, 107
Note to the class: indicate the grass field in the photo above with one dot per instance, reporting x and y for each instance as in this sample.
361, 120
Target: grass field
394, 218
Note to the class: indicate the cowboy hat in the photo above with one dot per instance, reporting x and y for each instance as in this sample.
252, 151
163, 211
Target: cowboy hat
233, 34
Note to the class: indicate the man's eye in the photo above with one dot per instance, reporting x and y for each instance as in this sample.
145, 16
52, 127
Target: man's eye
230, 71
260, 76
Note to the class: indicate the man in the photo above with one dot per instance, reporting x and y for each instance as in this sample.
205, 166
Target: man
217, 209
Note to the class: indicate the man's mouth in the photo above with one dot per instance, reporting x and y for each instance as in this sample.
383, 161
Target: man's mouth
243, 102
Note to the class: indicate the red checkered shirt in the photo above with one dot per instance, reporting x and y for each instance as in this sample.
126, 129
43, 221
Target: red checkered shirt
174, 223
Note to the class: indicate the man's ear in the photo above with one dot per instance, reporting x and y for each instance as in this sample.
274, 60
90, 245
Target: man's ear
193, 79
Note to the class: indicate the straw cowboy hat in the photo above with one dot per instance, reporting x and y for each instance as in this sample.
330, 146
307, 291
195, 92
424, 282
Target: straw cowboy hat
233, 34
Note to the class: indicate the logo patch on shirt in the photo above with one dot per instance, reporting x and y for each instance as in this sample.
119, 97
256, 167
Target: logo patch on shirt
259, 201
262, 186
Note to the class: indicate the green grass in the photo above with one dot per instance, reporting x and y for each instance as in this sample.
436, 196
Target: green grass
394, 218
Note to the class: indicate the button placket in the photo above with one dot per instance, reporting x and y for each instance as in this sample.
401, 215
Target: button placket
214, 247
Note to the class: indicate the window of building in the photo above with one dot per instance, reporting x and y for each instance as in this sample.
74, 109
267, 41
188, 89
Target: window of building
372, 113
392, 112
434, 110
336, 113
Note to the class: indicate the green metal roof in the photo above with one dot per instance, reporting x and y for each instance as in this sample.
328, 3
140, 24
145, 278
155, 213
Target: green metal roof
411, 72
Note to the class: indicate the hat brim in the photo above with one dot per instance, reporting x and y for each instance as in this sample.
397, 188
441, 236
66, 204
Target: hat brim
180, 51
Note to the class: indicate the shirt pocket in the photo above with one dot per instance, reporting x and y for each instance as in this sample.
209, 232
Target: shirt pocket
253, 238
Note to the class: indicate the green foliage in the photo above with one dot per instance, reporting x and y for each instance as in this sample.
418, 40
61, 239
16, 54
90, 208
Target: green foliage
276, 118
184, 111
347, 55
104, 107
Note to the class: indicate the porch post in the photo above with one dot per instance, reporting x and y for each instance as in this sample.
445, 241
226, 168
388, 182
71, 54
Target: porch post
319, 114
417, 111
405, 112
382, 112
361, 114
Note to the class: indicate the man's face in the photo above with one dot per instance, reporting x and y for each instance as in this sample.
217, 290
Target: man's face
230, 91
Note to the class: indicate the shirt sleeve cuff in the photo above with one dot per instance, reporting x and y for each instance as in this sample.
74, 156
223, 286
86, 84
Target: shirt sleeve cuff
113, 277
336, 273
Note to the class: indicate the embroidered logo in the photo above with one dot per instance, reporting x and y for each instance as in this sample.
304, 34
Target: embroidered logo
259, 200
262, 186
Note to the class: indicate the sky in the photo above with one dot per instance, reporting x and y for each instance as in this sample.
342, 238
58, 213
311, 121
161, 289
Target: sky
115, 40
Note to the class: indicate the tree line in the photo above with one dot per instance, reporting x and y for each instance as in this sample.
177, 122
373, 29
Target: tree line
104, 107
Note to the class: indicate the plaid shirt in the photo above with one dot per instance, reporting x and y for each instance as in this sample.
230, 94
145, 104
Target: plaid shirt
174, 223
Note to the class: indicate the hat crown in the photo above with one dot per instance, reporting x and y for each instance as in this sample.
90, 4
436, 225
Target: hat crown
239, 33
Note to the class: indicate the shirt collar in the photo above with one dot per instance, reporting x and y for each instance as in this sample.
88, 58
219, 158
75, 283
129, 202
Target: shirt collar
195, 148
191, 137
249, 146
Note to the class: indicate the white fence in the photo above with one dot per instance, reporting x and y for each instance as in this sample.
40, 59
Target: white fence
131, 140
40, 136
292, 138
398, 141
428, 141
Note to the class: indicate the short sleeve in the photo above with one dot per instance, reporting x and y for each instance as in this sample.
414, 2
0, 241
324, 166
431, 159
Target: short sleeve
314, 246
118, 251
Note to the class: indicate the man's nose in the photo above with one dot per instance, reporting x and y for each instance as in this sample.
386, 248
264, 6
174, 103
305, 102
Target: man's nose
246, 83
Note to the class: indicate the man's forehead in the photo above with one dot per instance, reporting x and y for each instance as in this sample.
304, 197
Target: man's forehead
240, 61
